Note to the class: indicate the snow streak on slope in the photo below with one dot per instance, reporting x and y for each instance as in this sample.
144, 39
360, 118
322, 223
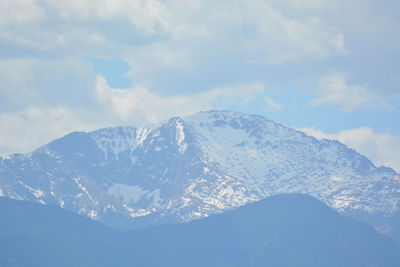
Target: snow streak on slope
191, 167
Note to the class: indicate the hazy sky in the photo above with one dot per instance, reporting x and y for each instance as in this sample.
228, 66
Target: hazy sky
329, 67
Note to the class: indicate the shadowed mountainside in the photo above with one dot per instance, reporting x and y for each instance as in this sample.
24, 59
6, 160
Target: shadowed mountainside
280, 231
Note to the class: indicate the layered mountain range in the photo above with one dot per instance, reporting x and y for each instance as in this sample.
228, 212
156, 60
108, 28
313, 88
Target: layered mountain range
284, 230
191, 167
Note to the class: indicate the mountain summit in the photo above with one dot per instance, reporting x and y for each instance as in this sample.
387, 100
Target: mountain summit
190, 167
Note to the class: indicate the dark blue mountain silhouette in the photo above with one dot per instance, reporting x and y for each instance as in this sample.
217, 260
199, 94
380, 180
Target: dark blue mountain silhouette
287, 230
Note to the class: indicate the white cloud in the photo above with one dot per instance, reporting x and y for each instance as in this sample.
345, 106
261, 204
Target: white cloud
81, 28
272, 104
310, 3
169, 45
223, 36
140, 105
179, 52
84, 28
40, 82
26, 130
162, 39
335, 89
381, 147
147, 15
19, 12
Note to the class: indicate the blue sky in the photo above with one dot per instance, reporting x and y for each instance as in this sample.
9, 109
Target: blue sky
328, 67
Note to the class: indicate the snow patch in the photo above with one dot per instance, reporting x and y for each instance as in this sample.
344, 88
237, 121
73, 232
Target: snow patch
141, 134
84, 189
136, 213
180, 137
36, 192
127, 193
92, 214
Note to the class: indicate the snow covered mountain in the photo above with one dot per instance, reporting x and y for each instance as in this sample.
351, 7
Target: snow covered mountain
191, 167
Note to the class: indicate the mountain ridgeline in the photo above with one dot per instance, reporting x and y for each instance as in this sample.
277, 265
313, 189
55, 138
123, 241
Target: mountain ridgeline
192, 167
282, 231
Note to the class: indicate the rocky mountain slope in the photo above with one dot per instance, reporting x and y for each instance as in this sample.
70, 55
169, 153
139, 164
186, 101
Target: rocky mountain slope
191, 167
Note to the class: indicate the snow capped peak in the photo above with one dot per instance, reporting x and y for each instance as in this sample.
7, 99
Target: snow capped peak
191, 167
